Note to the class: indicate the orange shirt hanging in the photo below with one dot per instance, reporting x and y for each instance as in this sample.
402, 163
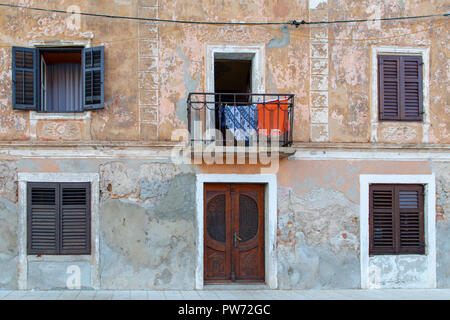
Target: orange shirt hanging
273, 118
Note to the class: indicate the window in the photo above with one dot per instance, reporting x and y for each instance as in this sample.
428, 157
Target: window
58, 79
400, 87
396, 223
58, 218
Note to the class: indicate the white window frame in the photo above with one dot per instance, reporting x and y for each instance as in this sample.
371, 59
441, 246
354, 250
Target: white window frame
24, 258
429, 219
394, 50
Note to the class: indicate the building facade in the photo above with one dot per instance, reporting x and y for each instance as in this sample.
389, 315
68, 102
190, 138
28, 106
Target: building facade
137, 154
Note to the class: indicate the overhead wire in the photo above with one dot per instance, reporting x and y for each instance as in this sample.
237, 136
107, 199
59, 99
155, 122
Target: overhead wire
293, 22
263, 25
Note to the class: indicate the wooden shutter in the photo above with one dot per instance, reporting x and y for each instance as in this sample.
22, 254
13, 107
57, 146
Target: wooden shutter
381, 219
396, 220
411, 88
410, 219
400, 88
389, 87
59, 218
24, 84
93, 60
75, 218
42, 199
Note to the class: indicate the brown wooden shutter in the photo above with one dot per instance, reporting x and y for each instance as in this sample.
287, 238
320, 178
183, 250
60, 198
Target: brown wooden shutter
381, 219
410, 219
75, 218
411, 88
42, 223
389, 87
396, 220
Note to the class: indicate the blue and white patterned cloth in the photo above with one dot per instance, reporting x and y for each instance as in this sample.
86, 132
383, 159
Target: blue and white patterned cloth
242, 121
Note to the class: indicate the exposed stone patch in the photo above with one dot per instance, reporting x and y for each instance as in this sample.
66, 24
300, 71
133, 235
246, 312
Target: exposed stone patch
145, 182
8, 180
116, 180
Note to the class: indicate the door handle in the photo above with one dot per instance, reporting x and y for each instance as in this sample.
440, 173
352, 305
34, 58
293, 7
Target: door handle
236, 238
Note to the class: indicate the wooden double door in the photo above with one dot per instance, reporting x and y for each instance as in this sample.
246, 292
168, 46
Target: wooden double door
233, 233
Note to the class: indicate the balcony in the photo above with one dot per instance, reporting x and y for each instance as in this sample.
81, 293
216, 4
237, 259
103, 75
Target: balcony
240, 119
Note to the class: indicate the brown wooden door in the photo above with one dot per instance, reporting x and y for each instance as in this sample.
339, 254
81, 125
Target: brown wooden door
233, 233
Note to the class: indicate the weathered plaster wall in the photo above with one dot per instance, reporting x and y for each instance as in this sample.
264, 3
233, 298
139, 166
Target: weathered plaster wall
182, 62
150, 68
318, 222
342, 110
350, 67
120, 118
147, 226
442, 171
147, 232
9, 248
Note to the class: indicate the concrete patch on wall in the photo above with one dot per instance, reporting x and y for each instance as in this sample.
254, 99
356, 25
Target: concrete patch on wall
280, 42
317, 240
150, 244
9, 248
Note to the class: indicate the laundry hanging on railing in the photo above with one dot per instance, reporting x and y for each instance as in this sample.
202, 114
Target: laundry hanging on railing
273, 117
242, 121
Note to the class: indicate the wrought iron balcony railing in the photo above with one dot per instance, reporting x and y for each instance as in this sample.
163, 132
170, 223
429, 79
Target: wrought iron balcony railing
241, 118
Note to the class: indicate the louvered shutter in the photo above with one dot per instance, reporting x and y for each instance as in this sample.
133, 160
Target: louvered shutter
410, 219
93, 60
24, 84
411, 88
389, 87
42, 224
75, 218
381, 219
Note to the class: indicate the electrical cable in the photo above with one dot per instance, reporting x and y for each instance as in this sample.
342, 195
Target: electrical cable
294, 22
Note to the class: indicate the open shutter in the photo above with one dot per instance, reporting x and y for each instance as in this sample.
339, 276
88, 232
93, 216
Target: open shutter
411, 88
75, 218
93, 60
411, 224
389, 87
24, 84
42, 218
381, 219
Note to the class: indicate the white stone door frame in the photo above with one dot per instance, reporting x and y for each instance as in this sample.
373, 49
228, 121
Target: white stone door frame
254, 52
429, 218
54, 177
270, 221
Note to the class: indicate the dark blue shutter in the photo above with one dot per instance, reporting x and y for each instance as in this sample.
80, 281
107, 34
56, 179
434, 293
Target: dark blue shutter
24, 84
75, 218
43, 216
93, 78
